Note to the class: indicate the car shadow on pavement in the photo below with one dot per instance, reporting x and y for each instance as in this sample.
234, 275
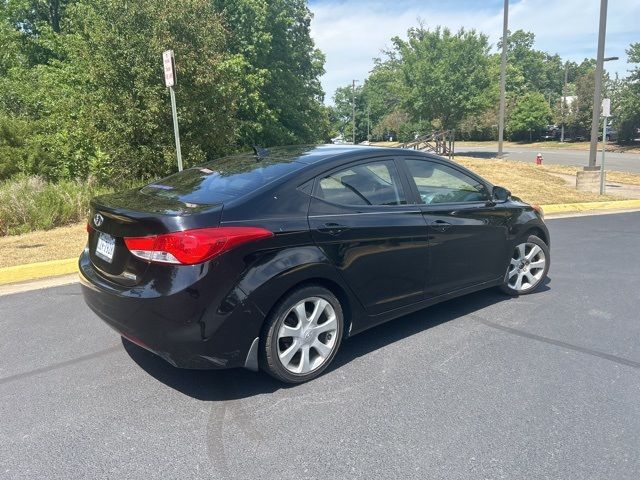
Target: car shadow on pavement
222, 385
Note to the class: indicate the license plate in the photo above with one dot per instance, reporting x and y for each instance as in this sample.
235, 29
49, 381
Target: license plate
105, 247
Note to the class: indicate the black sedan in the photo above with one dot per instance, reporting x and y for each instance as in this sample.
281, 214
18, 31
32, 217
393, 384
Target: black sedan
270, 260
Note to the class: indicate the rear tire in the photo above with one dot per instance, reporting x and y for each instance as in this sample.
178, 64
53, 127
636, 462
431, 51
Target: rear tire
527, 268
302, 335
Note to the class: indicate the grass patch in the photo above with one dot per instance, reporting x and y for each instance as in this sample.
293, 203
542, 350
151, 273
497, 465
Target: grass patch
529, 182
612, 176
551, 144
29, 204
41, 246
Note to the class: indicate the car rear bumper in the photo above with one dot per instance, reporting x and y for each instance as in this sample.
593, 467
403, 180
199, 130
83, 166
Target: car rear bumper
178, 322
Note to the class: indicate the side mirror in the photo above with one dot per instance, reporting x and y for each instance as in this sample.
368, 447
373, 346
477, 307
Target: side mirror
500, 194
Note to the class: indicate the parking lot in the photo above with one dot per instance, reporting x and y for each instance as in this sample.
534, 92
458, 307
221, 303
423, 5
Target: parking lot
484, 386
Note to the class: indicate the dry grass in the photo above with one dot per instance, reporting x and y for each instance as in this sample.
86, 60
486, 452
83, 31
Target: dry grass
612, 176
42, 245
532, 184
611, 147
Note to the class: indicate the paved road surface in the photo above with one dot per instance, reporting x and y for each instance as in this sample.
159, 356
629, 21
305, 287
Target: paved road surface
543, 386
622, 162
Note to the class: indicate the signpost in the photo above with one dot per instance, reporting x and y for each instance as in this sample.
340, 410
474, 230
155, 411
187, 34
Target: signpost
606, 113
169, 63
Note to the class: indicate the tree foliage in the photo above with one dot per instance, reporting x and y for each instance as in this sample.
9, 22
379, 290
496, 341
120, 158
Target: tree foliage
436, 79
445, 76
531, 113
82, 91
629, 111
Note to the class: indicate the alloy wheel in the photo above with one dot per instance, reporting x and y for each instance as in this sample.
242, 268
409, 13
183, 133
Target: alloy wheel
307, 335
526, 268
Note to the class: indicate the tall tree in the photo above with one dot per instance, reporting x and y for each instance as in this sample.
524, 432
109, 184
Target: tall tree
530, 114
629, 108
579, 111
100, 106
283, 101
445, 75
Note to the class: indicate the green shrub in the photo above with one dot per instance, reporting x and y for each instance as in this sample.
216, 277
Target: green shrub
31, 203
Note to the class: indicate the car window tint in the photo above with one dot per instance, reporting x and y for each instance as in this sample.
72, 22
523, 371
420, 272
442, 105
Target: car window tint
439, 183
373, 183
225, 179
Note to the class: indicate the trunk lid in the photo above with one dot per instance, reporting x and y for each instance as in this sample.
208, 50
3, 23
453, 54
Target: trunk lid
134, 213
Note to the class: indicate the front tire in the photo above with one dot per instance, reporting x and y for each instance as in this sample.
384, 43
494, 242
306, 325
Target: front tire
302, 335
528, 267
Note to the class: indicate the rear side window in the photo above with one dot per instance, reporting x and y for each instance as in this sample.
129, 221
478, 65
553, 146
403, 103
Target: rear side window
439, 183
375, 183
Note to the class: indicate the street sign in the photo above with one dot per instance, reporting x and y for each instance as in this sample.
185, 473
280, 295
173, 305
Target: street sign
169, 65
169, 68
606, 107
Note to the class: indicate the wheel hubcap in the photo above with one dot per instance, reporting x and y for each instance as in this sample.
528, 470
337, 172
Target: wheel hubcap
307, 336
526, 267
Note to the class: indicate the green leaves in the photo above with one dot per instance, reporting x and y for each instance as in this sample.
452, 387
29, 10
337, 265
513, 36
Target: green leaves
530, 114
88, 86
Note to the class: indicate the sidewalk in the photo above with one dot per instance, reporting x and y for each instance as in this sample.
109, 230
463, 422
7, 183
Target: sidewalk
611, 188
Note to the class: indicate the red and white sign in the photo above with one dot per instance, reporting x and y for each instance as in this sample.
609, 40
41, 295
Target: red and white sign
169, 68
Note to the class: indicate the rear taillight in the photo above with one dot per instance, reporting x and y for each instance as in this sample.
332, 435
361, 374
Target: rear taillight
192, 246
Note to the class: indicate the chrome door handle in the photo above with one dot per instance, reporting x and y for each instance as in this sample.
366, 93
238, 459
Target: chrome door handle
332, 228
440, 225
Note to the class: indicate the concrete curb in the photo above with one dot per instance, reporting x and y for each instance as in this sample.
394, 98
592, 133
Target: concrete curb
54, 268
588, 206
33, 271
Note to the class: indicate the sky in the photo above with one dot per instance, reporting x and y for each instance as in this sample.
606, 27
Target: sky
352, 33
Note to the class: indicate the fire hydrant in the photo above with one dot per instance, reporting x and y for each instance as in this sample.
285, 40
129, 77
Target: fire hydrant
539, 159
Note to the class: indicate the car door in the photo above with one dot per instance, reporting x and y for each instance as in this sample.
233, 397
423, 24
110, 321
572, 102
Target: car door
467, 231
360, 217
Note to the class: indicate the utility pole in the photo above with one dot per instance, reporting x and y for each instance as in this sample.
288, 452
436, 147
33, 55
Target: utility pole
368, 122
503, 76
597, 94
353, 110
564, 99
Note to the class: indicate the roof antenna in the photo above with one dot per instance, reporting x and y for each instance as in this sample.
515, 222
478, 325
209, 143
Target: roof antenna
260, 152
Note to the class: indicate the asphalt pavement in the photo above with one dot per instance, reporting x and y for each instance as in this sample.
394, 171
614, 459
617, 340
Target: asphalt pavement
485, 386
621, 162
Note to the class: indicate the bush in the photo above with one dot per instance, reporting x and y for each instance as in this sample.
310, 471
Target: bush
31, 203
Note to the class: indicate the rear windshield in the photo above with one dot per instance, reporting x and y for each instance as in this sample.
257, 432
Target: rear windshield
222, 180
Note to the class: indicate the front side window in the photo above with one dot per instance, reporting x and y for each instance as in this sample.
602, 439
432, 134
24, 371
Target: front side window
375, 183
439, 183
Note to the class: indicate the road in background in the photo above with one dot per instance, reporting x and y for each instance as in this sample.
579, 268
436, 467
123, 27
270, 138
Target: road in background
484, 386
621, 162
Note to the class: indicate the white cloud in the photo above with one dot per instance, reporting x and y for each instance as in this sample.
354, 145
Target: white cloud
352, 33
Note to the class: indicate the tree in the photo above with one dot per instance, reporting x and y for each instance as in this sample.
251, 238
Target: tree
99, 105
530, 114
445, 76
532, 70
81, 80
579, 111
629, 96
342, 112
283, 97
